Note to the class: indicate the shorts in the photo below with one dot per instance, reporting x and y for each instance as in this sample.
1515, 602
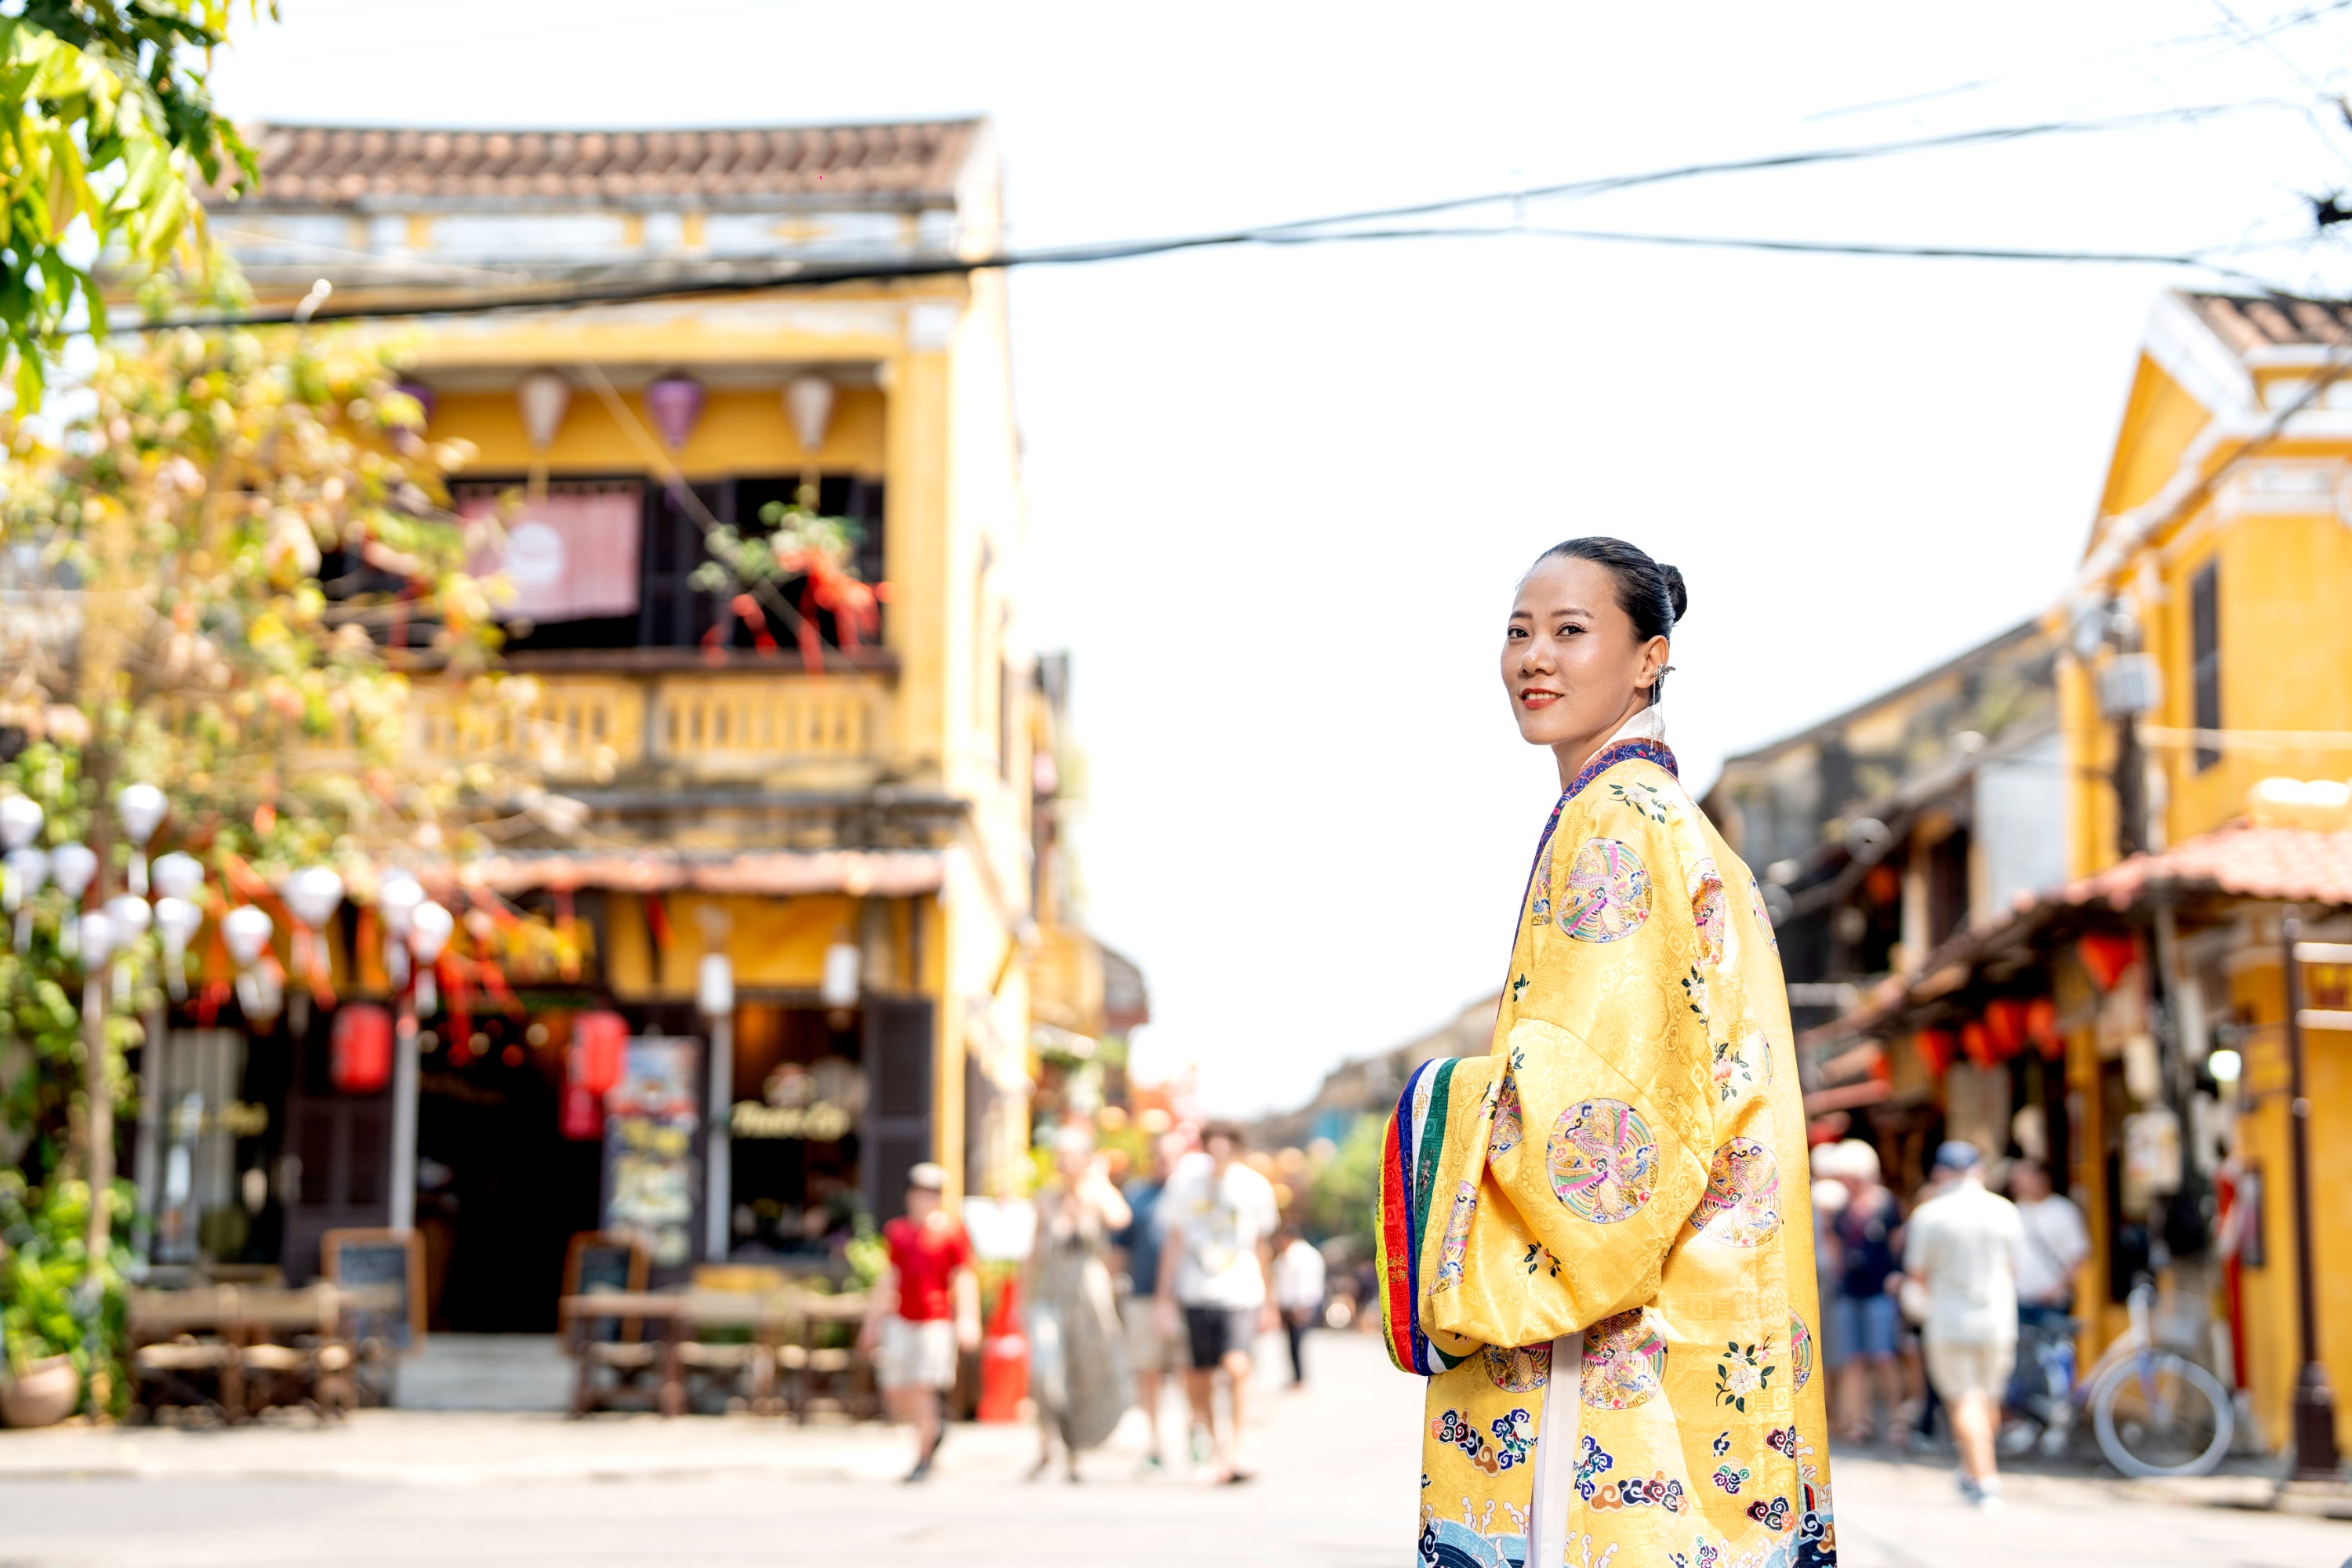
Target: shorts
1148, 1349
1863, 1326
1959, 1369
915, 1355
1216, 1333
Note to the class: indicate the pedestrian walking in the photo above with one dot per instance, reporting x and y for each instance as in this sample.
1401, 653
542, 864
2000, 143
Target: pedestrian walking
1596, 1242
1216, 1258
1961, 1249
1077, 1354
924, 1309
1298, 1292
1865, 1319
2055, 1243
1153, 1355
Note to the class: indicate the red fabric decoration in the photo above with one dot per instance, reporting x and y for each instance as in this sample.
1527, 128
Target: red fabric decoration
2005, 1022
584, 1113
1935, 1048
2106, 955
1976, 1043
2041, 1028
362, 1048
657, 921
598, 1042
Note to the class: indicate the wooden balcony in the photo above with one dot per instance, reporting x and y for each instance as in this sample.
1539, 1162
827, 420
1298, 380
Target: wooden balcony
769, 723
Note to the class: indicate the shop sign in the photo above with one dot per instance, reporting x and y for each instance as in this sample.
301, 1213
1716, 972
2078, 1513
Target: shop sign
820, 1101
652, 1148
819, 1124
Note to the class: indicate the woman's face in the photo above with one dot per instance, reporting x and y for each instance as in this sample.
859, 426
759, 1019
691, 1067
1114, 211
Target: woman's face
1570, 660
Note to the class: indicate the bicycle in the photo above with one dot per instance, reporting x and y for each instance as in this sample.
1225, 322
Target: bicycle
2154, 1411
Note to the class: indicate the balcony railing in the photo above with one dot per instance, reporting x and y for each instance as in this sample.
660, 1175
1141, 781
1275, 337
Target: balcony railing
715, 726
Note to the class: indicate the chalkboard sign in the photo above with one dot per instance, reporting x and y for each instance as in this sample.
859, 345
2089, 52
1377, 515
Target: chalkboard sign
357, 1259
602, 1262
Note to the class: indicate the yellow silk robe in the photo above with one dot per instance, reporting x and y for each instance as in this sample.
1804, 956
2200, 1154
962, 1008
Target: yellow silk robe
1597, 1241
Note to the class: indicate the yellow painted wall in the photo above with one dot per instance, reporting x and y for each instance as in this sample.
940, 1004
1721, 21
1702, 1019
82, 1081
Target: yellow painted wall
2160, 418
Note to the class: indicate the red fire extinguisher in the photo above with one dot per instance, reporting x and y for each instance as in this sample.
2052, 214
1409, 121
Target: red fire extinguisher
1004, 1359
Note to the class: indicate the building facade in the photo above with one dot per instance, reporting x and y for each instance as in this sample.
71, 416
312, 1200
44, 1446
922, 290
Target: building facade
798, 844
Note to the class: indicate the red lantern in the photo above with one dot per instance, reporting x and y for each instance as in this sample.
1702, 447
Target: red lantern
2041, 1028
2005, 1022
1976, 1043
2106, 955
362, 1059
1935, 1048
584, 1113
599, 1042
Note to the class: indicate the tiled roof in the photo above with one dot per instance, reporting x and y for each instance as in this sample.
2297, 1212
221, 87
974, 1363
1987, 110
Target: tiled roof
2291, 863
2248, 323
347, 166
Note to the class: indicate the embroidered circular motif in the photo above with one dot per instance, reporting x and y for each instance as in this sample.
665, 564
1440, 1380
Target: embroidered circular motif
1457, 1237
1506, 1132
1624, 1361
1763, 914
1741, 1205
1801, 1351
1605, 1163
1608, 892
1711, 914
1519, 1370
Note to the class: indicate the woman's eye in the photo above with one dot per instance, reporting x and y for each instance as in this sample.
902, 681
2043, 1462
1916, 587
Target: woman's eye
1571, 629
1515, 633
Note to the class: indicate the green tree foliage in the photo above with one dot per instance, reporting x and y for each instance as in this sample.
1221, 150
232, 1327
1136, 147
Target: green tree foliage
1340, 1189
107, 128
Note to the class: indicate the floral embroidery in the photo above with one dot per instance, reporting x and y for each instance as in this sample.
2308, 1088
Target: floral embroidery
1731, 1478
1515, 1439
1603, 1160
1731, 1071
1773, 1515
1782, 1439
1741, 1372
1589, 1465
1540, 1256
1507, 1131
1711, 913
1800, 1357
1608, 892
1722, 1444
1457, 1237
1519, 986
1520, 1369
1695, 991
1643, 798
1741, 1205
1624, 1361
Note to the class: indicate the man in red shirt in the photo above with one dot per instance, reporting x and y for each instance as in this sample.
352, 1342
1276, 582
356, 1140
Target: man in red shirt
925, 1308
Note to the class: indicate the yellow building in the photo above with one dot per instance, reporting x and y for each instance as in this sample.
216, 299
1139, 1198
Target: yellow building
847, 824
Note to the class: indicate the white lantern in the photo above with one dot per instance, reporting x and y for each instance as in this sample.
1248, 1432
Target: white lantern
245, 929
261, 993
543, 396
72, 866
176, 924
428, 934
20, 818
808, 400
131, 916
312, 895
714, 986
140, 809
839, 986
396, 899
97, 938
177, 874
28, 868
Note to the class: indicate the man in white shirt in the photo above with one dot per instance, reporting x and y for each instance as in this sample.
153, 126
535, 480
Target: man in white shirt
1961, 1247
1298, 1280
2055, 1243
1216, 1262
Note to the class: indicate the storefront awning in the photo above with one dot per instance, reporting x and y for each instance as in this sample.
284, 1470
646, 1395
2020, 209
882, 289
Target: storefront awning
884, 873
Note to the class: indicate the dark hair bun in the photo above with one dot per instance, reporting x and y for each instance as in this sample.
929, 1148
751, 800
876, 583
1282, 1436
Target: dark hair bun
1676, 593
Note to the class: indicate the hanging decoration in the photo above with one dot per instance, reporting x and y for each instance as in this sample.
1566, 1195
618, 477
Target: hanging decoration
1935, 1048
2041, 1028
676, 403
2106, 955
429, 926
28, 871
1976, 1044
312, 895
177, 921
141, 809
2004, 1018
73, 865
360, 1061
600, 1042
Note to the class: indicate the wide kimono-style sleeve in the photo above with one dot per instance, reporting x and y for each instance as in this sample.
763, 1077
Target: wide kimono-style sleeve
1533, 1192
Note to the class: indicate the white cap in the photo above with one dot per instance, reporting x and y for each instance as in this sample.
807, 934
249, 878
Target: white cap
929, 1176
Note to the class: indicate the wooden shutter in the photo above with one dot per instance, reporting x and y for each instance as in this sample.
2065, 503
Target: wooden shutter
898, 1133
344, 1145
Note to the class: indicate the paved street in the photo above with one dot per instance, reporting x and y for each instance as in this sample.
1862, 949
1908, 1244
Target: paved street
392, 1488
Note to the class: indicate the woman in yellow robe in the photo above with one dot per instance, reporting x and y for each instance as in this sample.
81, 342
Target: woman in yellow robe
1596, 1242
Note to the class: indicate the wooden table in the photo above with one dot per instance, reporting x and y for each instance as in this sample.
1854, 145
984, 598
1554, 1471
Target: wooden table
241, 1326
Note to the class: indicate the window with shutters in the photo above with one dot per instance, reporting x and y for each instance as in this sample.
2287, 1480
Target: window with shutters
2205, 656
342, 1172
899, 1099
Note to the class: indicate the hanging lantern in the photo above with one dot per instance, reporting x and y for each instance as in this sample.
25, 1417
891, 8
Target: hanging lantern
27, 869
676, 403
808, 401
396, 899
176, 924
600, 1042
2041, 1028
2005, 1022
312, 895
71, 868
246, 929
2106, 955
261, 993
714, 986
97, 939
360, 1061
838, 988
1935, 1048
583, 1114
177, 874
1976, 1044
20, 818
543, 396
429, 932
140, 809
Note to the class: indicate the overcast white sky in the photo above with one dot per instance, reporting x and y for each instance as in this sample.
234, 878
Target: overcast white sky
1277, 499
